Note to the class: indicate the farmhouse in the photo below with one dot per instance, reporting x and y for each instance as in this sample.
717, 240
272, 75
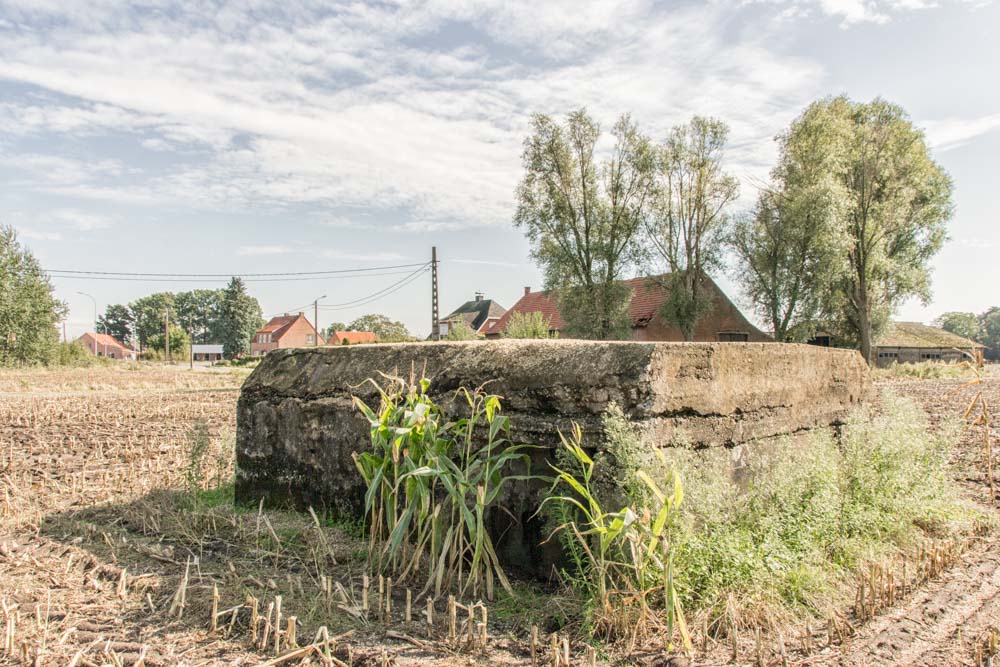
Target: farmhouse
912, 342
104, 345
284, 331
206, 352
478, 314
352, 338
724, 322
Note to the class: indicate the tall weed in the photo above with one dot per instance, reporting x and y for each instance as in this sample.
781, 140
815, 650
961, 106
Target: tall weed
431, 483
622, 560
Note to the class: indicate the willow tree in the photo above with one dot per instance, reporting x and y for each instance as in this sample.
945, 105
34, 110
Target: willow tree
582, 216
789, 246
688, 231
896, 202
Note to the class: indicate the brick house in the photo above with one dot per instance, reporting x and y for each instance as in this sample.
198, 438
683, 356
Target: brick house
352, 338
284, 331
724, 323
479, 315
912, 342
104, 345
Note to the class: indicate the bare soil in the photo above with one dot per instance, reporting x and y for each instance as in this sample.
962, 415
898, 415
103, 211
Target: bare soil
116, 530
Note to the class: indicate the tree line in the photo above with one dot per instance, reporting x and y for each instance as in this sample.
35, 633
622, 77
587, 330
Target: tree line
983, 328
385, 329
229, 316
838, 238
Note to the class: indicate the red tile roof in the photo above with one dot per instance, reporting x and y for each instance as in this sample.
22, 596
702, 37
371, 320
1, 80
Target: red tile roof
648, 296
352, 337
277, 325
106, 340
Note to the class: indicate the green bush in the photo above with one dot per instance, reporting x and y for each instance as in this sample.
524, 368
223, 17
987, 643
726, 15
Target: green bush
75, 354
528, 325
783, 531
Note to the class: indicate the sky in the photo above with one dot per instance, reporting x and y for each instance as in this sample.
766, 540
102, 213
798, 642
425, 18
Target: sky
256, 137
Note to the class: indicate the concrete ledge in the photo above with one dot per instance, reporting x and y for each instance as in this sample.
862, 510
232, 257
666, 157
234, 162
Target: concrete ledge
297, 428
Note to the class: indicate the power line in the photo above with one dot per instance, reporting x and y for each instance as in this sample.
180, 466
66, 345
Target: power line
223, 280
395, 287
370, 298
236, 275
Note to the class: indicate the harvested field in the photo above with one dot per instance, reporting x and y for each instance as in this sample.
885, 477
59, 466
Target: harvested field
117, 531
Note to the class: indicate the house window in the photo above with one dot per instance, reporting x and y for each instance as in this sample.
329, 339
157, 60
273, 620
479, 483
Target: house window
310, 338
888, 355
821, 341
732, 336
930, 355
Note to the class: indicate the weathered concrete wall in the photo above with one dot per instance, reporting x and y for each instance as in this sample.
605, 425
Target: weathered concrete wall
297, 427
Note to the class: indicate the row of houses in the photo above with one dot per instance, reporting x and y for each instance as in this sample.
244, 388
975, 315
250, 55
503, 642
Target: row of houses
104, 345
904, 342
297, 331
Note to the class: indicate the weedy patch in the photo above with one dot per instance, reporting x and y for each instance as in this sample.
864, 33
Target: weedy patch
430, 485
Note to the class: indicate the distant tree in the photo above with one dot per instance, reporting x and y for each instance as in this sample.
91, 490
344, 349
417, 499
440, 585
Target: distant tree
989, 323
336, 326
582, 217
241, 316
386, 330
148, 315
29, 311
118, 322
200, 312
966, 325
689, 227
788, 249
180, 343
893, 204
459, 329
528, 325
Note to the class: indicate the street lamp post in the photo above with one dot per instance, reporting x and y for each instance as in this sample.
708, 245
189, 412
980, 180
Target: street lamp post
95, 324
316, 320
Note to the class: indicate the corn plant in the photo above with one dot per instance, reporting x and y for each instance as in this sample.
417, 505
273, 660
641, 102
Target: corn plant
623, 559
431, 483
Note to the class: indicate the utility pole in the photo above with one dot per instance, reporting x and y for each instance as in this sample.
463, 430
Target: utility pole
166, 335
435, 325
191, 348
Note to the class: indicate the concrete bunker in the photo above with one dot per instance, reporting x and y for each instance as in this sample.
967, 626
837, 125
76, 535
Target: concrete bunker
297, 427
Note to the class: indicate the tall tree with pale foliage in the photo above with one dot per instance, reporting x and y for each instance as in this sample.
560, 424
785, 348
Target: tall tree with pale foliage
583, 215
896, 202
787, 249
688, 229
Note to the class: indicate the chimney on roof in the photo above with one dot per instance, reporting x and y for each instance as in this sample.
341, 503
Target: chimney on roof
527, 290
479, 296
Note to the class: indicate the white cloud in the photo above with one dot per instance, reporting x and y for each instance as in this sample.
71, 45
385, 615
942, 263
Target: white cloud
358, 105
954, 132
